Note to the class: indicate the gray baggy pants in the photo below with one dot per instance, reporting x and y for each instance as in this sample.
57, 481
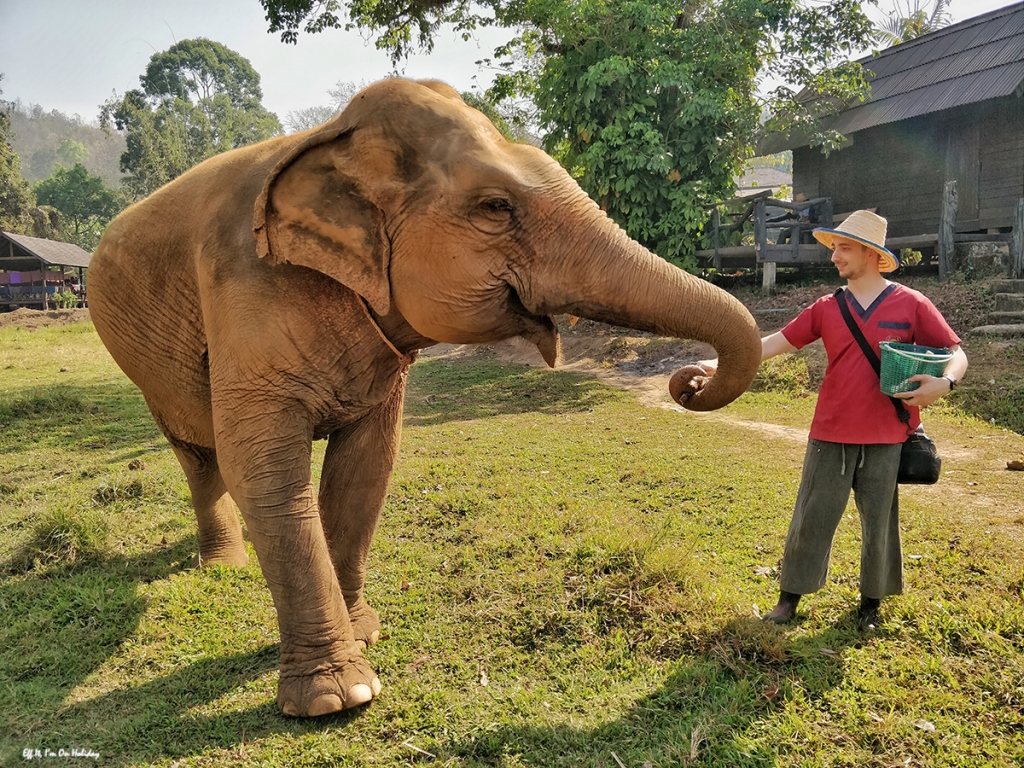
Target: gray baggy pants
831, 471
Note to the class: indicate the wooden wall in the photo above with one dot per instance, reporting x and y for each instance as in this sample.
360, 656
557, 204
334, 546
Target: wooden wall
901, 168
1002, 162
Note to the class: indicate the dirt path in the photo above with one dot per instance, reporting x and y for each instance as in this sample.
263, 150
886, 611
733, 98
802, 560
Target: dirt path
587, 354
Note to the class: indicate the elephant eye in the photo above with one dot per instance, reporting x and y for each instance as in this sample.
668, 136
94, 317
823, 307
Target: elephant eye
495, 215
498, 205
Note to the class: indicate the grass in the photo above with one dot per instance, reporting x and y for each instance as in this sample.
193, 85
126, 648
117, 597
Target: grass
565, 578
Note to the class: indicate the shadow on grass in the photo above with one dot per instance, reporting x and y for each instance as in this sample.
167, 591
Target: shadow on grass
91, 416
442, 390
155, 720
702, 714
61, 624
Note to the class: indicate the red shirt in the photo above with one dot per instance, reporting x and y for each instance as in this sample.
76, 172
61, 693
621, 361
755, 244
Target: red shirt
851, 405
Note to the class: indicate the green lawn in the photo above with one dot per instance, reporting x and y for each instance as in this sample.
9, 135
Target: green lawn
565, 578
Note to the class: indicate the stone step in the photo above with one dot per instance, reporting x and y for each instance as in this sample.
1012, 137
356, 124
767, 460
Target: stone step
1005, 318
1009, 302
1011, 331
1005, 285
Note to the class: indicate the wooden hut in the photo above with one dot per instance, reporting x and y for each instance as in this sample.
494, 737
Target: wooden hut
34, 271
947, 106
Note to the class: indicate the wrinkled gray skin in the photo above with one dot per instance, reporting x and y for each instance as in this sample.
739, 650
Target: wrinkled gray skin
276, 294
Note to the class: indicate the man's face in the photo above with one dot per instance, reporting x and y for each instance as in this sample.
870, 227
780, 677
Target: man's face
853, 259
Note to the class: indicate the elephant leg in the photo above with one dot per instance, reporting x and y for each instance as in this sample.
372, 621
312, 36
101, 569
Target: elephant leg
264, 455
220, 535
354, 482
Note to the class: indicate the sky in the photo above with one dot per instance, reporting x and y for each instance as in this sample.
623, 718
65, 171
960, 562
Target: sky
72, 55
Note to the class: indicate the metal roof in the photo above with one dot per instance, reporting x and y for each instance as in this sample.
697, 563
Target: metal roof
48, 251
760, 179
976, 60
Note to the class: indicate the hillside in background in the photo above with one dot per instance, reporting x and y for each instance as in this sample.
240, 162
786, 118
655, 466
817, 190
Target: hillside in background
40, 136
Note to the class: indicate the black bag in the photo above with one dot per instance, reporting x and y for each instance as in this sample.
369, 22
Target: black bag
920, 463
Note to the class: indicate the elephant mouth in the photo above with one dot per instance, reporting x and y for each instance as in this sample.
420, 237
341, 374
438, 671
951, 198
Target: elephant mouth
539, 330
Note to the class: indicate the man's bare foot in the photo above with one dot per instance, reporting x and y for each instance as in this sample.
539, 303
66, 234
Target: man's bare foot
784, 612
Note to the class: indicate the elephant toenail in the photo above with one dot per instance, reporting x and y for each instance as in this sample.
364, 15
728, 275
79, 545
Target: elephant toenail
290, 709
375, 636
358, 694
375, 687
325, 704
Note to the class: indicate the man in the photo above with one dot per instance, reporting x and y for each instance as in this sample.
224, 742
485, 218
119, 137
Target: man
856, 434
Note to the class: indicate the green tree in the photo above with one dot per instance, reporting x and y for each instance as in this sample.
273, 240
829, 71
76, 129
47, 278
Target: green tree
397, 21
72, 152
907, 22
198, 98
85, 203
16, 198
654, 104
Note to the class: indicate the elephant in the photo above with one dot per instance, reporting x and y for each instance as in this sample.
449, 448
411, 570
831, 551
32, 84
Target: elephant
278, 293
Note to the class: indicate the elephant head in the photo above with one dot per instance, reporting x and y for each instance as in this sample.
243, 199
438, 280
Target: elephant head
417, 203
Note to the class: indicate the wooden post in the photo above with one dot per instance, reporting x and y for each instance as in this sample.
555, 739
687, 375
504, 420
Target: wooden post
761, 245
825, 219
1016, 265
760, 229
947, 225
768, 277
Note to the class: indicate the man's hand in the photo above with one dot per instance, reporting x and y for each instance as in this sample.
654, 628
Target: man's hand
710, 366
931, 389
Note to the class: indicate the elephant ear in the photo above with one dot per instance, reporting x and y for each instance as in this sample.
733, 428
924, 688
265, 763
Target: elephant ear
316, 211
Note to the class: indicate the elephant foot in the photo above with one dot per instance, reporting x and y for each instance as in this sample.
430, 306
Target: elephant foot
365, 622
334, 685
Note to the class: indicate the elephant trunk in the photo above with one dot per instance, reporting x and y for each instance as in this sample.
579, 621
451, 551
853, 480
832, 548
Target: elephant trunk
613, 279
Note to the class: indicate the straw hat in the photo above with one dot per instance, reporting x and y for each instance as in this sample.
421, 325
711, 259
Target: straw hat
867, 228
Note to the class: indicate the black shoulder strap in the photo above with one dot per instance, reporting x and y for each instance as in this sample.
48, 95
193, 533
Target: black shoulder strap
869, 353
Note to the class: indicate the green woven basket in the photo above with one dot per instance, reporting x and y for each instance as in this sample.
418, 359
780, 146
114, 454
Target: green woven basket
901, 361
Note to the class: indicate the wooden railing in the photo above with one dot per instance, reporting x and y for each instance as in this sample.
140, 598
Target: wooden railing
777, 231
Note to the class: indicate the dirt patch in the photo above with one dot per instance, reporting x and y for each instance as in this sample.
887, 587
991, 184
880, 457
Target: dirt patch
38, 318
